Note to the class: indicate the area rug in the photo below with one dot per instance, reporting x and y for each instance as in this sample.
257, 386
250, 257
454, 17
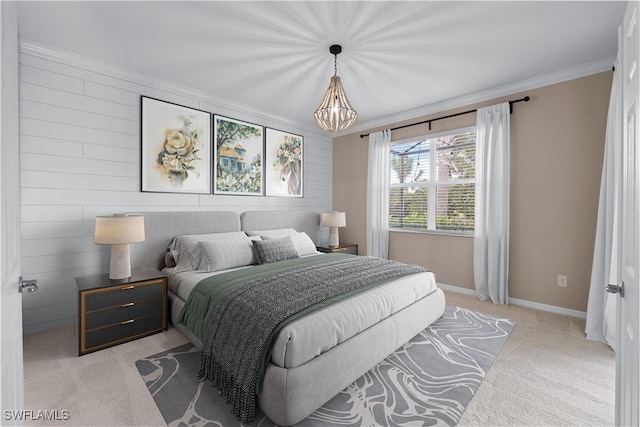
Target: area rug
428, 381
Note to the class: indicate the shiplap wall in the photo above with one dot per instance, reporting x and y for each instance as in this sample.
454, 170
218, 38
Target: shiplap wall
80, 157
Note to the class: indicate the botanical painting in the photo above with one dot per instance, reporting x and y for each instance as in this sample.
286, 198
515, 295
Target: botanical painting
284, 163
239, 153
175, 148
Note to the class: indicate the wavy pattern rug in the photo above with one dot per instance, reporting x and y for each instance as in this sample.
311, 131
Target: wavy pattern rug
428, 381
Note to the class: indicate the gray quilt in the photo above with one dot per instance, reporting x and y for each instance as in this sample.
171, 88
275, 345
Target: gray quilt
237, 338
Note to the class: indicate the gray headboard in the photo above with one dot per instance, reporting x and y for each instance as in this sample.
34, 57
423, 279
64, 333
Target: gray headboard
162, 227
309, 222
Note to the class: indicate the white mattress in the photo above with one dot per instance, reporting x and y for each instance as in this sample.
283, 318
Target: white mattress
312, 335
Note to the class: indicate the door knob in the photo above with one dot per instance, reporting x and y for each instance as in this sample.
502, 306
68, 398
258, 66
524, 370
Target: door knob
616, 289
27, 285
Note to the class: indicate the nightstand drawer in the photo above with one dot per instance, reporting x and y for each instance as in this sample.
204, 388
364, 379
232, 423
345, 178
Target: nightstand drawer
124, 294
124, 331
126, 311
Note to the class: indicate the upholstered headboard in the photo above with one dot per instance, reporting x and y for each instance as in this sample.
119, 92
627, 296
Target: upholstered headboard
309, 222
162, 227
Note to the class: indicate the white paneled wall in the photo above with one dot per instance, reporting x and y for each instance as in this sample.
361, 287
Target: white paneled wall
80, 157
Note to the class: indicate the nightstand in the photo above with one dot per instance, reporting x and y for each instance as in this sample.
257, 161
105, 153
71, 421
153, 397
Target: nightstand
112, 314
343, 248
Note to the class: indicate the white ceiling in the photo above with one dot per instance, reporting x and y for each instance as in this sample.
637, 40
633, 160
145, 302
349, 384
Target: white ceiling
274, 56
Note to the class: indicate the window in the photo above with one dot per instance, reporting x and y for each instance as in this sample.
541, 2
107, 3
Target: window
433, 182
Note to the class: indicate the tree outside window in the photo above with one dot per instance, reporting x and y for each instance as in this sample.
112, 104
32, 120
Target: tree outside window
433, 183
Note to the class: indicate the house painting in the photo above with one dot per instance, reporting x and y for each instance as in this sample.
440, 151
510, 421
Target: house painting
232, 158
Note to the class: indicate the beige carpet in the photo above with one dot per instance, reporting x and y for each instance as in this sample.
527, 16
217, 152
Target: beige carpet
546, 374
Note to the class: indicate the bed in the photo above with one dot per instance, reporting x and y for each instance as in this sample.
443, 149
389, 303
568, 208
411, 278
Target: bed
315, 356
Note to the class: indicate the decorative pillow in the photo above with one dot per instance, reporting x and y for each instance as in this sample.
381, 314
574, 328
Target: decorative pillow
224, 254
189, 252
273, 234
274, 250
302, 242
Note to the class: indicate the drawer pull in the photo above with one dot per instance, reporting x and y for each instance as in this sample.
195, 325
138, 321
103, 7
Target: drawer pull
129, 304
126, 322
127, 288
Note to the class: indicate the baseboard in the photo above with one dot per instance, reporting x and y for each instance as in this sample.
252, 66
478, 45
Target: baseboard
521, 302
456, 289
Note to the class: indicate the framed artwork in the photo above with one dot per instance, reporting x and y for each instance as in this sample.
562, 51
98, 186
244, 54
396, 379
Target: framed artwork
175, 148
239, 153
283, 164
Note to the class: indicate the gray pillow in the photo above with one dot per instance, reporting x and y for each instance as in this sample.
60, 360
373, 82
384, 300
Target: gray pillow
268, 251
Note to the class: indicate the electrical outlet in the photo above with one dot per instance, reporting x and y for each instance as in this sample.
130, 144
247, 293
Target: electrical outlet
562, 281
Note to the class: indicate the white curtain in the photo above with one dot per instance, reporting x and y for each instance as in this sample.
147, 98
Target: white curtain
601, 310
491, 236
378, 194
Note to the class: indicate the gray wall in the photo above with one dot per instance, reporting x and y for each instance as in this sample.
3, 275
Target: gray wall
79, 157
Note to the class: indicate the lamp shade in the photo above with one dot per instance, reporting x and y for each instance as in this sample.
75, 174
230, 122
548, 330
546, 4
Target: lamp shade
335, 113
333, 219
119, 229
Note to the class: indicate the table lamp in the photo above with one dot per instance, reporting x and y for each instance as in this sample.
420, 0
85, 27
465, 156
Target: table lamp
118, 231
333, 220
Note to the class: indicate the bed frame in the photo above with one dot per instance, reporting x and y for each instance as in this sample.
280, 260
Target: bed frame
289, 395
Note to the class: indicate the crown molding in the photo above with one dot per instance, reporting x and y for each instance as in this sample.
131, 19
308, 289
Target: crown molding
486, 95
93, 65
96, 66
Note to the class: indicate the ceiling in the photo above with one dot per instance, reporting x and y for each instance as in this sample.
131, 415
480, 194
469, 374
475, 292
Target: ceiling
273, 56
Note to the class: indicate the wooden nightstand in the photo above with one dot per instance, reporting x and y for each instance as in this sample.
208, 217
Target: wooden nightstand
112, 314
343, 248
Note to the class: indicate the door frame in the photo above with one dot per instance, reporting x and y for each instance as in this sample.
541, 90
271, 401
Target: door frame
11, 365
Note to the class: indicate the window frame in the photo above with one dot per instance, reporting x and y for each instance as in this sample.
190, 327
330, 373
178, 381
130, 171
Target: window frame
431, 185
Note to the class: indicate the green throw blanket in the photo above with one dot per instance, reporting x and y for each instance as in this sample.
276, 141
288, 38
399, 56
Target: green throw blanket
238, 315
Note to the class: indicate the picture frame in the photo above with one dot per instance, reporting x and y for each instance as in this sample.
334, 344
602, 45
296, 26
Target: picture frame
239, 157
175, 148
284, 164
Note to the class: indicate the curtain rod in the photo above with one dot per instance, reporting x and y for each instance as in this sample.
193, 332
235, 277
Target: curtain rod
525, 99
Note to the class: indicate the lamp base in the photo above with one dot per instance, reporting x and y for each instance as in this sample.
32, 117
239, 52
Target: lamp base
120, 263
334, 240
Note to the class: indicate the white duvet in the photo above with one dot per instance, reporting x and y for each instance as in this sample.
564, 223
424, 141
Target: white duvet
312, 335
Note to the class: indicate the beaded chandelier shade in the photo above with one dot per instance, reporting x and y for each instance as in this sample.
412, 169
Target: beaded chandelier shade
335, 113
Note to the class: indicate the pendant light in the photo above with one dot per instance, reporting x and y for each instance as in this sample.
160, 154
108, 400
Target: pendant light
335, 113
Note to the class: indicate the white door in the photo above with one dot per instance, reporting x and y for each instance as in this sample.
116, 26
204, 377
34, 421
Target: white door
11, 373
628, 333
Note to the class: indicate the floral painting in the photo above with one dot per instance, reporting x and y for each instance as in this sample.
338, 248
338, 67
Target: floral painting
283, 164
239, 153
176, 148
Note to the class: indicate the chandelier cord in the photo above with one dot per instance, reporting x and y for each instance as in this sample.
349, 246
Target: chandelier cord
335, 65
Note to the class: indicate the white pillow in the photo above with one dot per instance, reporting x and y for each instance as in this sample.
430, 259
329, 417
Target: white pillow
227, 253
273, 234
189, 252
302, 242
